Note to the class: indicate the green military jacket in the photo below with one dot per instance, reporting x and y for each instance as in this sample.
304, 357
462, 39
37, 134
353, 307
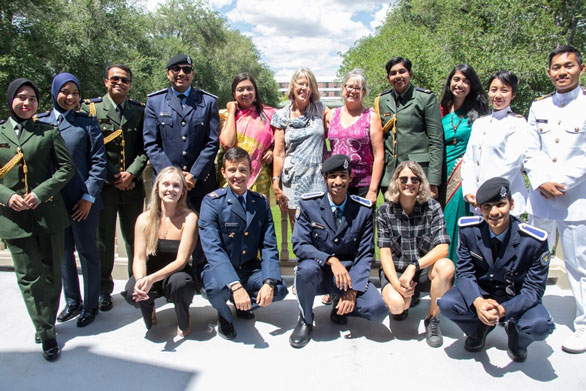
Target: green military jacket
419, 133
124, 150
44, 168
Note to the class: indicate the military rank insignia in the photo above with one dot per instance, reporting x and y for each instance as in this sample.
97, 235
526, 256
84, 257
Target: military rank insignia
545, 257
297, 213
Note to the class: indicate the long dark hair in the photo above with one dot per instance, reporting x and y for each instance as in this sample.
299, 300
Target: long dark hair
257, 99
476, 102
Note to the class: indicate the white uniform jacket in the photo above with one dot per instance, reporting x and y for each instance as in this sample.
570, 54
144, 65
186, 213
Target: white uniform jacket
496, 149
557, 152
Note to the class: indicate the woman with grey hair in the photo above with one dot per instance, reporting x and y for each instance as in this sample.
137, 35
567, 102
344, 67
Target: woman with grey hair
299, 143
356, 131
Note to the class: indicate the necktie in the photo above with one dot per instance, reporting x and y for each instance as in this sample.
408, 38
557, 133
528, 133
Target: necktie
495, 246
241, 200
119, 111
181, 97
18, 129
337, 216
59, 119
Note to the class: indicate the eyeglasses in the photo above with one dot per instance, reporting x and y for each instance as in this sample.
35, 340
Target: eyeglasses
414, 179
176, 68
353, 88
119, 79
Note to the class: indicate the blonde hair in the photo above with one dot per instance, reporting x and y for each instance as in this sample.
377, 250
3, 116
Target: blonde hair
153, 212
358, 75
304, 72
424, 193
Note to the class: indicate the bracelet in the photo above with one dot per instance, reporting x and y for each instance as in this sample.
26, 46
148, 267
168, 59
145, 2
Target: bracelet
276, 178
234, 290
417, 266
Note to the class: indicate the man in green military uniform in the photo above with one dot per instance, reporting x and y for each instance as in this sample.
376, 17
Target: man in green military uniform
34, 166
121, 121
412, 125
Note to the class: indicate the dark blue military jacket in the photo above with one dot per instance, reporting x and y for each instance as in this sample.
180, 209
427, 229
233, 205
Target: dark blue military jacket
516, 278
316, 237
231, 237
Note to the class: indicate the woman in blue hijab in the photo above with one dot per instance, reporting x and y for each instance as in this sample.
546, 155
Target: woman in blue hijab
85, 143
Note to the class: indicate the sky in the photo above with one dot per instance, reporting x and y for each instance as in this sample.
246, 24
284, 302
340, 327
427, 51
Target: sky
301, 33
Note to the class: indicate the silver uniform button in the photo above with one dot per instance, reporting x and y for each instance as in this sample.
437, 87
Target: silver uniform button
184, 168
184, 153
183, 138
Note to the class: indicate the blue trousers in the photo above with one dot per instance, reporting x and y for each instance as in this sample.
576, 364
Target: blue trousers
81, 235
311, 279
534, 325
218, 296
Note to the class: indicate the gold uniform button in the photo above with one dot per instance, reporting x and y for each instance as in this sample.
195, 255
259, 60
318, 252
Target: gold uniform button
243, 252
22, 180
484, 133
104, 128
563, 104
541, 130
246, 234
557, 140
184, 168
576, 130
478, 163
555, 159
559, 122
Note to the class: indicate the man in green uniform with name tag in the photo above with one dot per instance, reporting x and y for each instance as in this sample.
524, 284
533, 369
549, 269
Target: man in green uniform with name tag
121, 121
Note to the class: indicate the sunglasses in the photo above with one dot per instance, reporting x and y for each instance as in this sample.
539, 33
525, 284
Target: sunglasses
176, 68
414, 179
122, 79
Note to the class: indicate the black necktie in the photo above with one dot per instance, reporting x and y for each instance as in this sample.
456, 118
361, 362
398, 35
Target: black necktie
337, 216
119, 111
241, 200
181, 96
495, 246
18, 129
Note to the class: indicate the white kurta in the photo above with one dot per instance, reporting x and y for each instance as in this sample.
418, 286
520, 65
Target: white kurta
496, 149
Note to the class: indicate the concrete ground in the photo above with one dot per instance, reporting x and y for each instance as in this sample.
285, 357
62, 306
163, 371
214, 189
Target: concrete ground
116, 353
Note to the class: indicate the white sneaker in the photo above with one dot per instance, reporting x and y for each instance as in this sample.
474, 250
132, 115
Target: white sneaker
576, 343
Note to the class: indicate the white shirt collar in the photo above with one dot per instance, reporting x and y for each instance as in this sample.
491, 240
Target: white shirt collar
502, 113
566, 97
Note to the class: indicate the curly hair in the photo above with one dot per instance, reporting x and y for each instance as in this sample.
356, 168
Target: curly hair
424, 193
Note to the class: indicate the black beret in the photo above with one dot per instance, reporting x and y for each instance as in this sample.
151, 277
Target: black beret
179, 59
493, 190
336, 163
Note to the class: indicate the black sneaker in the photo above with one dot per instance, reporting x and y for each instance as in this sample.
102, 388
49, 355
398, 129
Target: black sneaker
433, 333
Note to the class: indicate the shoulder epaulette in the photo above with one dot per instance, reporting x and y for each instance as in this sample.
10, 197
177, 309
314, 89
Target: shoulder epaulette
361, 201
544, 96
534, 232
42, 115
207, 93
256, 194
518, 116
218, 193
2, 121
384, 93
469, 220
93, 100
423, 90
157, 92
309, 196
135, 102
83, 114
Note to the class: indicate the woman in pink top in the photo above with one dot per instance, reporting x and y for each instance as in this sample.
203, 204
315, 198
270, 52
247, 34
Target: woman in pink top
246, 123
355, 131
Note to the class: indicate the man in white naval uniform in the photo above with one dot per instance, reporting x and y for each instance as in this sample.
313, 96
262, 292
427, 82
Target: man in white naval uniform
556, 165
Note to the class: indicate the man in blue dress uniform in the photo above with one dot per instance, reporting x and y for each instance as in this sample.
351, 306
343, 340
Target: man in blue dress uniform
181, 129
501, 275
235, 226
333, 240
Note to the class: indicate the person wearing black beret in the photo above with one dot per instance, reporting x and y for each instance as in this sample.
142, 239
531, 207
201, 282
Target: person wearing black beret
34, 166
501, 275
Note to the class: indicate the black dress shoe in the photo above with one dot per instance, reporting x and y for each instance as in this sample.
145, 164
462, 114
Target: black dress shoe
37, 338
334, 317
244, 314
475, 341
86, 317
402, 316
106, 302
301, 334
51, 350
515, 352
226, 329
69, 312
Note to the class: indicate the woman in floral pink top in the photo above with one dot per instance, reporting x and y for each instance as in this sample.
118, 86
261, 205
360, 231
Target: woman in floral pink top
355, 131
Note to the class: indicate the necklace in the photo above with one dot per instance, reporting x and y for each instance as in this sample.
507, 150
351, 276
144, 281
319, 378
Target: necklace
455, 128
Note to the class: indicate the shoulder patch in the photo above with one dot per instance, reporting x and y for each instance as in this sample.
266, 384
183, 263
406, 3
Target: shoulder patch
544, 96
309, 196
218, 193
297, 213
361, 201
92, 100
135, 102
423, 90
545, 258
532, 231
469, 221
157, 92
207, 93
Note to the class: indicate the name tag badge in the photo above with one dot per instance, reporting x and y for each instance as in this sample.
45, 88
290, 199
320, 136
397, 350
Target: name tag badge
165, 114
4, 145
317, 225
474, 255
541, 121
104, 121
231, 225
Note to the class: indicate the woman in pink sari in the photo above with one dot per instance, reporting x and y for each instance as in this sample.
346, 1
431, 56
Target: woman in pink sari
246, 123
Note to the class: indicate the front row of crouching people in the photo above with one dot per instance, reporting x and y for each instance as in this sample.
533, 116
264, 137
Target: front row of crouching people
500, 278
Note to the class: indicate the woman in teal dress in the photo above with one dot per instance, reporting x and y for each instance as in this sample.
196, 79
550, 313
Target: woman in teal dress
463, 101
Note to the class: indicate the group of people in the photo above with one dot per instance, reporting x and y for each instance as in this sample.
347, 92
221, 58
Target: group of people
451, 173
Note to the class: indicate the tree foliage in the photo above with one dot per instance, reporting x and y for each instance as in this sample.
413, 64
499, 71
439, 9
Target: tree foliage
488, 34
41, 38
